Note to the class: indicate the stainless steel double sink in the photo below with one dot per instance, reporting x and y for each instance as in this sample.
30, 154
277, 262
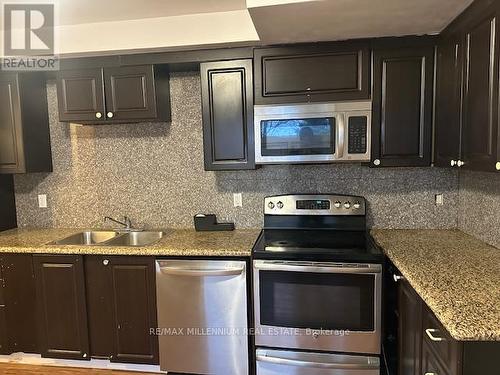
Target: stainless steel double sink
111, 238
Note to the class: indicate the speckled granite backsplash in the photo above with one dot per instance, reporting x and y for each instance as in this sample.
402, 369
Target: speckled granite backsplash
154, 174
479, 213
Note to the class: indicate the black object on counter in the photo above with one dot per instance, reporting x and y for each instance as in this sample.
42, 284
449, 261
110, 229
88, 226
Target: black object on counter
208, 222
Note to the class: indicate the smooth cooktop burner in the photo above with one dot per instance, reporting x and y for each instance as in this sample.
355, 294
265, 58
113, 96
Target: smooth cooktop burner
331, 245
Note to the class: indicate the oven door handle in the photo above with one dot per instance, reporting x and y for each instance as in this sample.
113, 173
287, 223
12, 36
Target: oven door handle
269, 266
313, 364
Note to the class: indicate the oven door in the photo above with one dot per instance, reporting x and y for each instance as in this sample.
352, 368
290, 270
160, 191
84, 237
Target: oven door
274, 362
318, 306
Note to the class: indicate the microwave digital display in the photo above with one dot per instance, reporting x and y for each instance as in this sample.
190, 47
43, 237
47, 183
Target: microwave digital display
306, 136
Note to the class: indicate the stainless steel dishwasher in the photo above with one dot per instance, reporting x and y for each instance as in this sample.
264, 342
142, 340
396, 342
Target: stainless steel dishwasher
202, 316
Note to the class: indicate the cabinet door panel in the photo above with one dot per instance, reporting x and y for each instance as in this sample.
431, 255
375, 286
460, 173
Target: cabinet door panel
227, 100
410, 330
11, 145
8, 219
80, 95
133, 297
61, 306
130, 92
480, 105
430, 362
449, 101
325, 72
402, 106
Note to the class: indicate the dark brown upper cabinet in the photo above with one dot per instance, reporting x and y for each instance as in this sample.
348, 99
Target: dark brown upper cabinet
121, 300
24, 124
402, 106
448, 116
311, 73
480, 112
227, 104
114, 94
62, 312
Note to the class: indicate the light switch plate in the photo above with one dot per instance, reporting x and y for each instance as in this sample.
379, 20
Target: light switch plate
238, 200
42, 200
439, 199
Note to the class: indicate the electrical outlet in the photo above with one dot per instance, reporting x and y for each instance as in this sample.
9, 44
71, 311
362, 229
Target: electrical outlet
237, 200
439, 199
42, 200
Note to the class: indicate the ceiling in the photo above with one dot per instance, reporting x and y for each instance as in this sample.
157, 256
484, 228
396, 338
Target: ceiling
92, 27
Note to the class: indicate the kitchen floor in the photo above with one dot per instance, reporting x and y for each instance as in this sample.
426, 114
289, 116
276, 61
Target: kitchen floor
18, 369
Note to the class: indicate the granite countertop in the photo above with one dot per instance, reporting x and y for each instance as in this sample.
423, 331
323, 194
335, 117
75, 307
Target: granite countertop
457, 276
182, 242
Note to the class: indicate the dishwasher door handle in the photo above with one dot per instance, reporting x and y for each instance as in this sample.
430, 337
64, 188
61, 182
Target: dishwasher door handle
181, 271
313, 364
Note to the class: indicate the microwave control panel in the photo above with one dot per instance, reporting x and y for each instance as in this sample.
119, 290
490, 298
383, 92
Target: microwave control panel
357, 134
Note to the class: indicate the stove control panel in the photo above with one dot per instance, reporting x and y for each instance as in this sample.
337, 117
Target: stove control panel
311, 204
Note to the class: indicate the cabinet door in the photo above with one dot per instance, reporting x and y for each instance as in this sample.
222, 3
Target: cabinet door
227, 101
448, 102
11, 136
133, 298
20, 302
8, 218
409, 330
99, 306
430, 362
80, 94
402, 106
61, 306
324, 72
130, 93
480, 101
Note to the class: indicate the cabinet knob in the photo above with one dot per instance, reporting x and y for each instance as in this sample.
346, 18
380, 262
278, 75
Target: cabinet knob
105, 262
110, 114
497, 166
84, 355
376, 162
98, 115
460, 163
453, 163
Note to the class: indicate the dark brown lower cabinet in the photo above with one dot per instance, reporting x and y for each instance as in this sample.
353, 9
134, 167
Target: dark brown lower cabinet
121, 295
62, 311
409, 330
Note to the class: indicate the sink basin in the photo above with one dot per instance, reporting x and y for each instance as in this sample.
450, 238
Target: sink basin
87, 238
136, 239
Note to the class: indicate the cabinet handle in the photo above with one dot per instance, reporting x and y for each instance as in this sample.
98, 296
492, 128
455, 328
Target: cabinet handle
376, 162
430, 373
430, 331
497, 166
397, 278
460, 163
105, 262
453, 163
110, 114
98, 115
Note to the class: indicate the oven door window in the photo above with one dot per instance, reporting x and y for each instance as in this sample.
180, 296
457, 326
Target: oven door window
310, 136
317, 300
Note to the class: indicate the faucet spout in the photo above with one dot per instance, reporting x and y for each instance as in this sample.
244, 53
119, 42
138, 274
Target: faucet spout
127, 223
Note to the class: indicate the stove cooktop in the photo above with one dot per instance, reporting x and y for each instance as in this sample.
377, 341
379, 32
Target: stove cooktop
317, 245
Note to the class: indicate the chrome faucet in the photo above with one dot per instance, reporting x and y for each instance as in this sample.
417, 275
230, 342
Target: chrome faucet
127, 223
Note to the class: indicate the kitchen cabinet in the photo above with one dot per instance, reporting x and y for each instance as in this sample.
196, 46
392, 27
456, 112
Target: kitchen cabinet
448, 133
480, 131
402, 105
24, 124
227, 104
121, 295
467, 131
409, 330
114, 94
311, 73
61, 307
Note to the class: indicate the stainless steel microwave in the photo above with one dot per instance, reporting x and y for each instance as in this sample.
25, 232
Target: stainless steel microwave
313, 132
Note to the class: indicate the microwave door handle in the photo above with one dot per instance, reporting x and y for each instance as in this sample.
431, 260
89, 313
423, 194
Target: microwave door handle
314, 364
341, 136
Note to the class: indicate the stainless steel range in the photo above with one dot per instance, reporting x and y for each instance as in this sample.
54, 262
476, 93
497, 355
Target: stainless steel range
317, 287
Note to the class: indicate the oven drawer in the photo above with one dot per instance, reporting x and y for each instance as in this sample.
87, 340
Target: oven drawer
274, 362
